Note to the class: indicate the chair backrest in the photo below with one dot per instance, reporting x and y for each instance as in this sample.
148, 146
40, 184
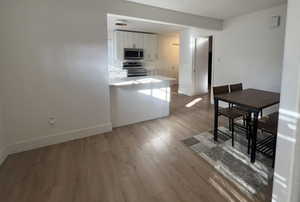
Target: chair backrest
269, 123
236, 87
220, 90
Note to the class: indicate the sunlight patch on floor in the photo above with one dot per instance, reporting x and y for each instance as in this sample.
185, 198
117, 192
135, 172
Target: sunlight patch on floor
193, 102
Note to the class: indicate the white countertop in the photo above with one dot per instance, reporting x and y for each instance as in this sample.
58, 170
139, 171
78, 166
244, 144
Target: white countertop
139, 80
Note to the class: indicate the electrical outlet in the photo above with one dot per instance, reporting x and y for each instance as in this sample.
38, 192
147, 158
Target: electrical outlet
52, 121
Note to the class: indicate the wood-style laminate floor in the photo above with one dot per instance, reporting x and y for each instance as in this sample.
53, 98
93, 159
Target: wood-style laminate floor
144, 162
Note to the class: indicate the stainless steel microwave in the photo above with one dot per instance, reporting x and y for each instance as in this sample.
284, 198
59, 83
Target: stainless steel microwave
133, 54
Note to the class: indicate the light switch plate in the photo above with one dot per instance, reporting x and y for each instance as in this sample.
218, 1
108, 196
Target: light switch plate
275, 21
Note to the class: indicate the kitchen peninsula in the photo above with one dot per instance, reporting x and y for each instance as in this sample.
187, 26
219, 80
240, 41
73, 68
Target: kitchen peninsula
137, 99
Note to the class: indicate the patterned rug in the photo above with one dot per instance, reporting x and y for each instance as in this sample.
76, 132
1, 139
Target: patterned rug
234, 162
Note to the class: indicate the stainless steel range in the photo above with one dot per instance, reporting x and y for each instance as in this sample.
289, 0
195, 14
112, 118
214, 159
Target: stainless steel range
134, 69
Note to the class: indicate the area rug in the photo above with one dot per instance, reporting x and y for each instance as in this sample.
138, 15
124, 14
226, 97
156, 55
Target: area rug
234, 162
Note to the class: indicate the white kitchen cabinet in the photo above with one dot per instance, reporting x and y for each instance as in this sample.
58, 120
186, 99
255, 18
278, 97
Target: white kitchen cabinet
134, 40
131, 103
147, 49
138, 40
154, 47
129, 40
110, 51
150, 47
148, 42
119, 40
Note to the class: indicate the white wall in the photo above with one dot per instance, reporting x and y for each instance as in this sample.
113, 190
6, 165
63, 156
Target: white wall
287, 176
168, 51
3, 142
54, 62
3, 137
187, 44
54, 66
249, 51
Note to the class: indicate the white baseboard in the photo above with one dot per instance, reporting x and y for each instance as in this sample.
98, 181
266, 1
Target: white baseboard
59, 138
183, 92
3, 154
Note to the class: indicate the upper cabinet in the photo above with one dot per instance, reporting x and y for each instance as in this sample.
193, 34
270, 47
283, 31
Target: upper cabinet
148, 42
150, 47
137, 40
119, 44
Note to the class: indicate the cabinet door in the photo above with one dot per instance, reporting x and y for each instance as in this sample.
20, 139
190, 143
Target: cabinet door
110, 48
128, 39
119, 45
140, 40
154, 47
147, 47
150, 47
134, 40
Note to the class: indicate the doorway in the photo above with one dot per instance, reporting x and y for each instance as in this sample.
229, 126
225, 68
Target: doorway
203, 64
210, 61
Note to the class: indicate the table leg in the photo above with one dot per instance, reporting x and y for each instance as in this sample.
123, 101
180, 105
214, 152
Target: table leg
248, 131
229, 121
254, 137
216, 104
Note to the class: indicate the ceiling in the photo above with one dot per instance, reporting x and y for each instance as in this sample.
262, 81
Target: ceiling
221, 9
142, 25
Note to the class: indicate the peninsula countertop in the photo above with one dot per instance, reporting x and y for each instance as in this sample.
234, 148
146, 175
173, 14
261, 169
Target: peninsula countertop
128, 81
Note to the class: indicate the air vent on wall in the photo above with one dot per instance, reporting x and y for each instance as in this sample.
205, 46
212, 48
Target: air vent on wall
122, 23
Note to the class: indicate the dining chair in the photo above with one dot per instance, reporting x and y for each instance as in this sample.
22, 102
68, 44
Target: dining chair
230, 113
267, 145
236, 87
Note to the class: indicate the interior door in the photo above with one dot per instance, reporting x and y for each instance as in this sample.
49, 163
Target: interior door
201, 56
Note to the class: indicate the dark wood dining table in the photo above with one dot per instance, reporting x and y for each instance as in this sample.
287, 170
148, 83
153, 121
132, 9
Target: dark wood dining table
253, 101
